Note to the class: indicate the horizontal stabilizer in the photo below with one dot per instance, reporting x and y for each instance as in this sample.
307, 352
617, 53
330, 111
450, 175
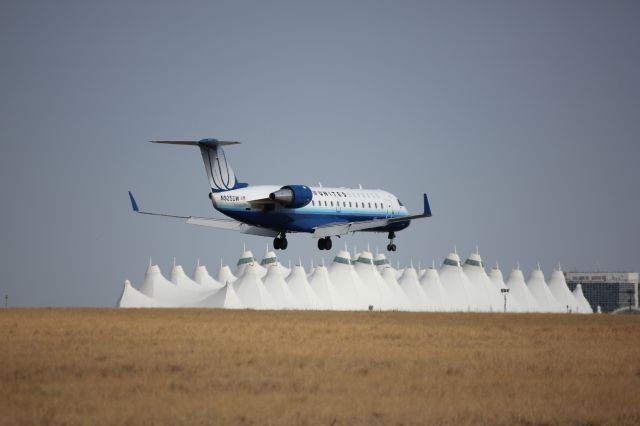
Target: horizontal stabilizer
205, 142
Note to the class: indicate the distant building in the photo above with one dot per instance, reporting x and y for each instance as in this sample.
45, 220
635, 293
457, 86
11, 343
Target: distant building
609, 290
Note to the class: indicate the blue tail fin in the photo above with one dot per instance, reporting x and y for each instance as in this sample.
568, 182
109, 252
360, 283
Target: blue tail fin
219, 171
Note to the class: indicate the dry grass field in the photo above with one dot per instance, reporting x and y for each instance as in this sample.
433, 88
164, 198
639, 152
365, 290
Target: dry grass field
109, 366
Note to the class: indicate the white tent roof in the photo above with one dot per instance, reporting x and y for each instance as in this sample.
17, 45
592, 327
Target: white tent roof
347, 282
320, 282
381, 262
421, 272
411, 286
402, 301
498, 281
434, 290
583, 304
456, 284
301, 289
202, 277
247, 259
168, 294
560, 290
225, 298
519, 290
132, 298
251, 290
278, 288
495, 275
182, 281
487, 297
271, 258
225, 275
379, 295
540, 291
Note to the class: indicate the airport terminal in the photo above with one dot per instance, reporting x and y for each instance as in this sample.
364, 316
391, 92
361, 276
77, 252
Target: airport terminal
608, 290
363, 281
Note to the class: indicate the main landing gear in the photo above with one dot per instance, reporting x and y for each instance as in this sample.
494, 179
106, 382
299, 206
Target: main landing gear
324, 243
280, 242
391, 246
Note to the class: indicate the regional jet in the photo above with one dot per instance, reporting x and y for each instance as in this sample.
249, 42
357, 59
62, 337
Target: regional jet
276, 210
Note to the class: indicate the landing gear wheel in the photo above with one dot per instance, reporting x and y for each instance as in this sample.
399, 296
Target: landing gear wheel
391, 246
324, 243
280, 242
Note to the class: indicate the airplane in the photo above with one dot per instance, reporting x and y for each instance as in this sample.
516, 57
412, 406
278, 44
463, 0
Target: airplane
276, 210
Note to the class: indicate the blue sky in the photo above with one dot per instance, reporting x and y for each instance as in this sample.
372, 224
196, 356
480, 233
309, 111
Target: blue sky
520, 119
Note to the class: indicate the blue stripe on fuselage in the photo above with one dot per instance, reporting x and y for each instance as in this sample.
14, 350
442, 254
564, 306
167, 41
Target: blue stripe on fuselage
305, 220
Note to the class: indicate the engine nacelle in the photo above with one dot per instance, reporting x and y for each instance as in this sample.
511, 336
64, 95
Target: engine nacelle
292, 196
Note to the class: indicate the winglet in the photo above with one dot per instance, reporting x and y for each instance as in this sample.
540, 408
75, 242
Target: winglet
134, 205
427, 208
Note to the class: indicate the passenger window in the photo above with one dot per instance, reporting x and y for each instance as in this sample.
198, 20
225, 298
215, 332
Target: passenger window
332, 204
349, 203
369, 205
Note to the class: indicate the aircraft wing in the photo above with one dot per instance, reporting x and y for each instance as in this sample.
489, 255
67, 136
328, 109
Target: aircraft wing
228, 224
341, 228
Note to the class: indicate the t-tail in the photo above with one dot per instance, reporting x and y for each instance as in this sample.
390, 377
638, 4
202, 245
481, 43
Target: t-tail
219, 171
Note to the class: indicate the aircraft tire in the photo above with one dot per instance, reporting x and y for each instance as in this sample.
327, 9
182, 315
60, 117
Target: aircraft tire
276, 243
321, 245
283, 244
328, 244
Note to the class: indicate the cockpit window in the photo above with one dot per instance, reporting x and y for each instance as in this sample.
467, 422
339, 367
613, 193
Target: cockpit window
400, 202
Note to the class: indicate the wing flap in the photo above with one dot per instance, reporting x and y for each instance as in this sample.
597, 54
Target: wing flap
228, 224
232, 225
346, 227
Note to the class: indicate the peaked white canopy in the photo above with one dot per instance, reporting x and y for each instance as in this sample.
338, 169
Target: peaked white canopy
512, 304
411, 286
583, 304
560, 290
456, 284
434, 290
202, 277
488, 299
519, 290
323, 287
301, 289
225, 275
132, 298
347, 283
540, 291
251, 290
278, 288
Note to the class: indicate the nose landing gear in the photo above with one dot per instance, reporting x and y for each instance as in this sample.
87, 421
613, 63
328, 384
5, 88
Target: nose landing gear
325, 243
280, 242
391, 246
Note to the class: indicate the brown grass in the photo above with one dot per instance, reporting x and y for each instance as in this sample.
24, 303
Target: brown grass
95, 366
